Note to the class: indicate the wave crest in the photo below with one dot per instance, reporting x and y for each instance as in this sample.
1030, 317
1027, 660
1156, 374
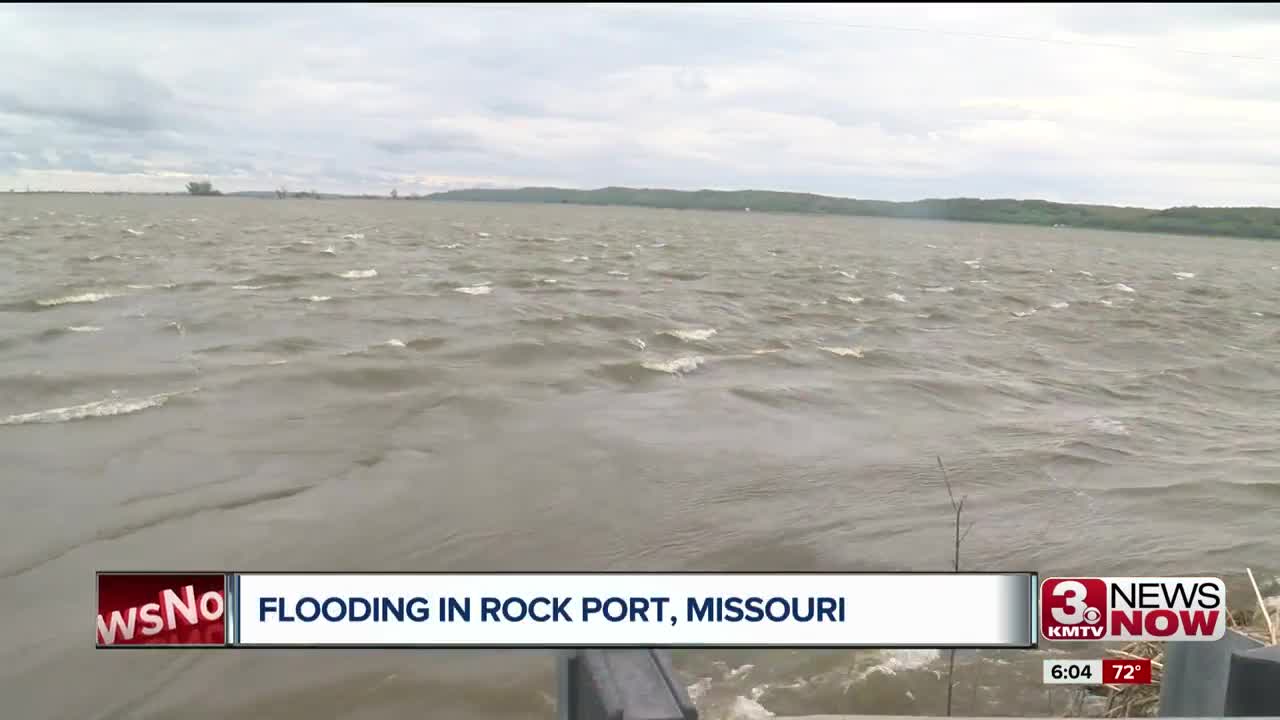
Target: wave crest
98, 409
91, 297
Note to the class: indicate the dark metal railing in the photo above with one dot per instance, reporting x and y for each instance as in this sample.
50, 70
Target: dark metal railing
625, 684
1233, 677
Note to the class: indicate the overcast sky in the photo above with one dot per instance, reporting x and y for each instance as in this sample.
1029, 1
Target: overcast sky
1133, 104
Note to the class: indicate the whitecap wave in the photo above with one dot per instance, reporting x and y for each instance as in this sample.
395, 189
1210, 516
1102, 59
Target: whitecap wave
1024, 313
849, 275
358, 274
690, 335
451, 246
617, 273
896, 661
74, 299
474, 290
84, 329
330, 251
1123, 288
1184, 275
1085, 273
677, 366
317, 298
1060, 305
973, 263
747, 709
247, 287
353, 236
133, 232
941, 289
699, 689
851, 299
482, 234
895, 297
912, 659
1108, 426
395, 343
853, 352
638, 343
97, 409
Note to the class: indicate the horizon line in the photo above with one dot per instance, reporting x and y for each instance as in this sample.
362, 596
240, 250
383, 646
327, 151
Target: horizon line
420, 196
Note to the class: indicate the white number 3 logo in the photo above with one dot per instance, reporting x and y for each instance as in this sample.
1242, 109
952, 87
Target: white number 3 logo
1074, 612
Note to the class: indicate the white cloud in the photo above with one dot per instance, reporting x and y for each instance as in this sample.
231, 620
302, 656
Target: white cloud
1076, 103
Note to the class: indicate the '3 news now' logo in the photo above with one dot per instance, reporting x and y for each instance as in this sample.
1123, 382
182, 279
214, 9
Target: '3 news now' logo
1147, 609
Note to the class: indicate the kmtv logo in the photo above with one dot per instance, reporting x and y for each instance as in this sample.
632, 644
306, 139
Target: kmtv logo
1146, 609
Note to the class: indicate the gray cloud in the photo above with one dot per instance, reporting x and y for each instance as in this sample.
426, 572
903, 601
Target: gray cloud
121, 99
872, 101
432, 141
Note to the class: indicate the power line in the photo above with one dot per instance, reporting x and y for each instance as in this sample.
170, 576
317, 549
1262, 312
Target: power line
919, 30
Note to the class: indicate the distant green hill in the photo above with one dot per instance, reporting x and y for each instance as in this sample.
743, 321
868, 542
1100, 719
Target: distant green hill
1240, 222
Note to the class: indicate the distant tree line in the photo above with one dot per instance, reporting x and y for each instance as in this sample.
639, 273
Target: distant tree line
286, 194
1255, 222
283, 193
202, 187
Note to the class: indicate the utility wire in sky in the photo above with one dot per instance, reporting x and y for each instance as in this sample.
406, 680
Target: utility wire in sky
716, 14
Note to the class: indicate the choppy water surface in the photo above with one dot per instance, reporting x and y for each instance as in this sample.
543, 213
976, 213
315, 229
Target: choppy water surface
213, 383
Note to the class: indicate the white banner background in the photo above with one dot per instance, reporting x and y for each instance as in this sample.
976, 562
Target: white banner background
881, 610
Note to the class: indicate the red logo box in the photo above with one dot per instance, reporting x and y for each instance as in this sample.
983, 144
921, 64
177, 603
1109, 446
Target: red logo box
152, 609
1073, 609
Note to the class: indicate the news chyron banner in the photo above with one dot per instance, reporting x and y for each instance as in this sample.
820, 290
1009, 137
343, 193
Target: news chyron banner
554, 610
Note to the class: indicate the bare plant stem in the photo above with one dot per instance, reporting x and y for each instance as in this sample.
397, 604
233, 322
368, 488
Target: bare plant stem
958, 506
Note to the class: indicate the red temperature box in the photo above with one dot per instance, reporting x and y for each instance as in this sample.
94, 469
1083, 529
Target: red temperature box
161, 609
1126, 671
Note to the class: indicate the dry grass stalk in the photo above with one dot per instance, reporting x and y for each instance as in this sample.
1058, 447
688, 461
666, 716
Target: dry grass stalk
1155, 664
1271, 628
